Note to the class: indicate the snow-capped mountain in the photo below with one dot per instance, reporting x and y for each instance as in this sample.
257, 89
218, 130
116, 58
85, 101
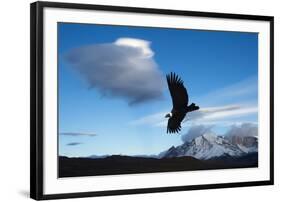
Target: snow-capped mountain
208, 146
248, 144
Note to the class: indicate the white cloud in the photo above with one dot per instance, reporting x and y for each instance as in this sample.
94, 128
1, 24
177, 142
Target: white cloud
245, 129
143, 45
221, 113
242, 130
123, 69
207, 116
152, 119
240, 90
195, 131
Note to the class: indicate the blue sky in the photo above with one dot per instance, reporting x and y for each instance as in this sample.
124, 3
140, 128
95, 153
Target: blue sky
101, 114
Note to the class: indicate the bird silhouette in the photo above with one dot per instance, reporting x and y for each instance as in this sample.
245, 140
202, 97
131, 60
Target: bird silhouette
180, 103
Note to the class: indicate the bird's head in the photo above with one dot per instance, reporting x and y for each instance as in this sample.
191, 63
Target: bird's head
168, 115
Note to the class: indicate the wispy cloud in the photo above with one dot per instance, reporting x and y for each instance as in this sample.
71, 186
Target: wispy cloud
210, 116
219, 112
152, 119
78, 134
240, 90
73, 143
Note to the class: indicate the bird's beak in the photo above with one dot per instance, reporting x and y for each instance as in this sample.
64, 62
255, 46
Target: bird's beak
167, 116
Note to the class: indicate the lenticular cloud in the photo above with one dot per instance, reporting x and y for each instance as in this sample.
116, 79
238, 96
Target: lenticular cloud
123, 69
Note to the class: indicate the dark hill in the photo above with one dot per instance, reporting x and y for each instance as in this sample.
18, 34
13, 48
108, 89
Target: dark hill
70, 167
116, 164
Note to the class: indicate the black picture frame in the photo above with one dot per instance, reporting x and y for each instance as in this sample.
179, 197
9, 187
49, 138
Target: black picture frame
37, 101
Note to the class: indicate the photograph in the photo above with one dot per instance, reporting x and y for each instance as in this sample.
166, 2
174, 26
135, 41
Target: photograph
140, 99
131, 100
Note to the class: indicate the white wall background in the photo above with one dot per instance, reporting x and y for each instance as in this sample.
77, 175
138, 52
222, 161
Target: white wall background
14, 100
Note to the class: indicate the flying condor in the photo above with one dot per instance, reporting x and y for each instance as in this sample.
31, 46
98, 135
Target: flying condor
180, 103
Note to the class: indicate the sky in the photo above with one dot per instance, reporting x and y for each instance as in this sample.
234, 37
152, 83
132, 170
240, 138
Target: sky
113, 94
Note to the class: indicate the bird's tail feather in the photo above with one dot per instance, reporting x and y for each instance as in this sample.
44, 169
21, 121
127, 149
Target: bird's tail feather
192, 107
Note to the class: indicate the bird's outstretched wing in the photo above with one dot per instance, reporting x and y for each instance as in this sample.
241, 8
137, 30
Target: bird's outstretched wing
174, 122
177, 90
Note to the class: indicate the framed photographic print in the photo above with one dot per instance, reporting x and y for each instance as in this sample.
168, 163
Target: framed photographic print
136, 100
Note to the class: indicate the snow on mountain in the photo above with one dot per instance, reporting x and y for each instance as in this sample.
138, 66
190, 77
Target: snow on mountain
248, 149
248, 144
209, 146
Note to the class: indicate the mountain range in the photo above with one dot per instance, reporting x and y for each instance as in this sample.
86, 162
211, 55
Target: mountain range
209, 145
204, 152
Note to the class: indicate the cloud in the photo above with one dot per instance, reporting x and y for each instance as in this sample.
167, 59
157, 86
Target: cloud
123, 69
209, 116
195, 131
78, 134
151, 119
74, 143
240, 90
245, 129
242, 130
221, 113
236, 100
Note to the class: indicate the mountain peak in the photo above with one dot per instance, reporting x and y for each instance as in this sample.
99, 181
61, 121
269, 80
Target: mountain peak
209, 136
209, 146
